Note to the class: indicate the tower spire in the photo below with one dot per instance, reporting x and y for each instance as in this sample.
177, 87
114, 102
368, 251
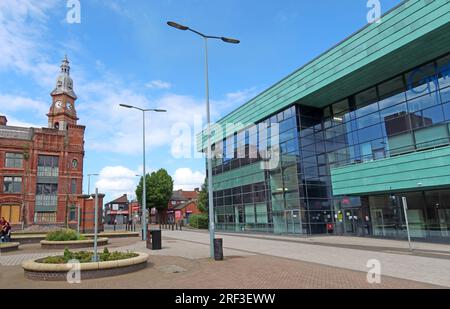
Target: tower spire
64, 83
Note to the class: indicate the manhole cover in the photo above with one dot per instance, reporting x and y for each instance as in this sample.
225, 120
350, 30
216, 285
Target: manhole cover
171, 269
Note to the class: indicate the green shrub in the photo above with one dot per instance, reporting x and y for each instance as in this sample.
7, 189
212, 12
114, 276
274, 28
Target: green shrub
86, 257
64, 235
199, 221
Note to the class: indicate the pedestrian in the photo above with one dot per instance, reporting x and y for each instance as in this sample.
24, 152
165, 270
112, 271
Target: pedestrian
5, 229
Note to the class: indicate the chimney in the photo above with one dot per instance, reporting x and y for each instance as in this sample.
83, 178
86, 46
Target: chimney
3, 121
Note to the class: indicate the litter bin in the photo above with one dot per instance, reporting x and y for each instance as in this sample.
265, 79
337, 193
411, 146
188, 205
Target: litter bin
218, 249
156, 243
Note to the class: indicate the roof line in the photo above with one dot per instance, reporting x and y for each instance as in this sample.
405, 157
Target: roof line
314, 59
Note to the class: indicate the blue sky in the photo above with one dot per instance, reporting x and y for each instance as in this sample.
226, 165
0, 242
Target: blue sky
123, 52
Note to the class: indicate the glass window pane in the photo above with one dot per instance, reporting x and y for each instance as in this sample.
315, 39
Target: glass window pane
370, 133
443, 66
401, 143
423, 102
340, 107
447, 111
421, 81
366, 97
368, 120
432, 136
445, 94
392, 92
433, 115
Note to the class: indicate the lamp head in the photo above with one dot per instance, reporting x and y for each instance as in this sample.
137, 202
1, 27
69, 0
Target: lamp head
126, 106
177, 26
231, 41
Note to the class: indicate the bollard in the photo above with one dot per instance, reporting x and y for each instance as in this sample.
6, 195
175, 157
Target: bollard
173, 228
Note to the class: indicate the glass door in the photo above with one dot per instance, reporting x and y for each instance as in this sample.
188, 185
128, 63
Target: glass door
293, 221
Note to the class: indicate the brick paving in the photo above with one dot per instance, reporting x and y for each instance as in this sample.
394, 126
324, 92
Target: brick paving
252, 272
242, 268
394, 264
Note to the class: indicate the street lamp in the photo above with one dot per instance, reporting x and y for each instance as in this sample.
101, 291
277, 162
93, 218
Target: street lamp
208, 115
144, 199
89, 181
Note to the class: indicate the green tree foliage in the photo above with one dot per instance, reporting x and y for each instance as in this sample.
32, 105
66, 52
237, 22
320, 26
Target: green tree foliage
199, 221
203, 198
159, 186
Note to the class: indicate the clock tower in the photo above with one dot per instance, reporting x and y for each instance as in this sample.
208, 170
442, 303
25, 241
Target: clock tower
62, 111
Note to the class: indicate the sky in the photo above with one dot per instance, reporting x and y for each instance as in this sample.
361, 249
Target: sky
123, 52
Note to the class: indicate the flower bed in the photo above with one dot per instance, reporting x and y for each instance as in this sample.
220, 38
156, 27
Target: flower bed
56, 268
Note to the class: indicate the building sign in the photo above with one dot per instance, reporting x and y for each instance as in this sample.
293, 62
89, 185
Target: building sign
178, 215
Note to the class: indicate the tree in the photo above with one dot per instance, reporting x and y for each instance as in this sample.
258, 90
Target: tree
159, 186
203, 198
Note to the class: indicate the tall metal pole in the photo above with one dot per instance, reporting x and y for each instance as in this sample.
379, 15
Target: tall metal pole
144, 189
405, 207
89, 184
95, 225
79, 220
209, 159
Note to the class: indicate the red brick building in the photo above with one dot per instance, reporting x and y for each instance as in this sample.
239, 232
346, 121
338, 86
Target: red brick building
41, 169
118, 210
182, 205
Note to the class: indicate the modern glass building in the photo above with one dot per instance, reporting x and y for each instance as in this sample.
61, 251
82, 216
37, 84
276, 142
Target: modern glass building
352, 133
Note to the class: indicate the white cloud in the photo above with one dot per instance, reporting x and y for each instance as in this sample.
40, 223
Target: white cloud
117, 180
12, 121
11, 103
158, 84
241, 96
22, 27
186, 179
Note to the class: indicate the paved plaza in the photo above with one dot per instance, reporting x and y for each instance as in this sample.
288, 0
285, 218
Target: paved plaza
254, 261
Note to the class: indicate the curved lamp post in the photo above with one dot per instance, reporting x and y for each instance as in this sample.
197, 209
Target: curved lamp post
144, 197
208, 115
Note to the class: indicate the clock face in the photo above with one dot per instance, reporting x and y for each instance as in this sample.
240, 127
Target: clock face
58, 104
69, 106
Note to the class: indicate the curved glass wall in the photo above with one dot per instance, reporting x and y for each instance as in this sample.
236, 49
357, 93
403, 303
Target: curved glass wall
409, 112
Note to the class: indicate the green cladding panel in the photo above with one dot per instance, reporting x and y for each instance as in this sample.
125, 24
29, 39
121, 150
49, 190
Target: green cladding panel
423, 169
239, 177
413, 33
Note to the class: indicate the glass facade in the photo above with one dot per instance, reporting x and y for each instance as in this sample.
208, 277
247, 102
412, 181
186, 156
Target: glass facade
407, 113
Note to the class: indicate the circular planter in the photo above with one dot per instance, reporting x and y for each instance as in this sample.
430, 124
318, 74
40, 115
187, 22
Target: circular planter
58, 272
9, 246
28, 239
76, 244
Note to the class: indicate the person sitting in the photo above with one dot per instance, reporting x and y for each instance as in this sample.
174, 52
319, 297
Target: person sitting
5, 230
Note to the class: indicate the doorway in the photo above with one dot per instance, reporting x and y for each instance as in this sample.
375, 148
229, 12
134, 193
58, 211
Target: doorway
293, 221
353, 221
11, 213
